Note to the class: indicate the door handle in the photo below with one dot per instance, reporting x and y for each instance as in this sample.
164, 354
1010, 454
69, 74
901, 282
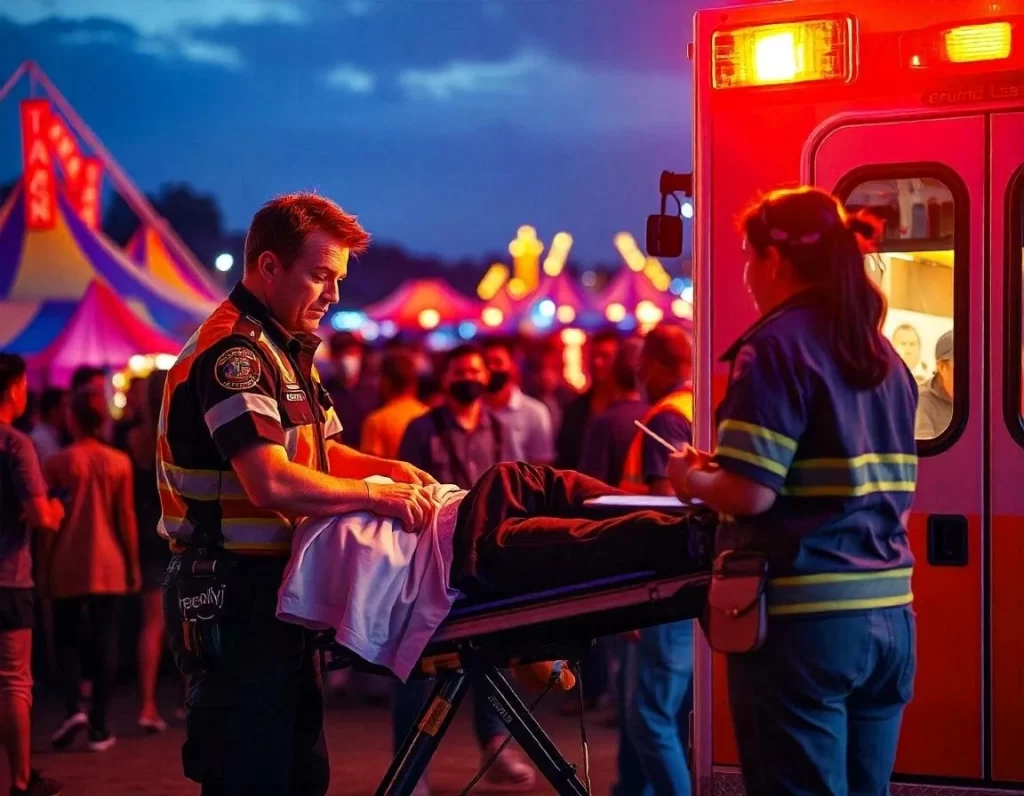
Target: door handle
947, 540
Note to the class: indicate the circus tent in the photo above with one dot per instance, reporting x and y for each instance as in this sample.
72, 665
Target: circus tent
101, 332
148, 249
44, 273
631, 293
423, 305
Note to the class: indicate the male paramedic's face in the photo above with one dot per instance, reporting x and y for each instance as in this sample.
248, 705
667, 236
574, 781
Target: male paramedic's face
300, 294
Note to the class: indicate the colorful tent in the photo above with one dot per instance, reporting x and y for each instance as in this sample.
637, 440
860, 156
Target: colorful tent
629, 291
45, 273
148, 249
423, 305
102, 332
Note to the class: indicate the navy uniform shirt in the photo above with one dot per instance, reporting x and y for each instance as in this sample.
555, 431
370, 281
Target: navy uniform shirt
671, 427
475, 451
842, 461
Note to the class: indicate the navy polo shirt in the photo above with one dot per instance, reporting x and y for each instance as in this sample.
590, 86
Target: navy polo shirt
843, 461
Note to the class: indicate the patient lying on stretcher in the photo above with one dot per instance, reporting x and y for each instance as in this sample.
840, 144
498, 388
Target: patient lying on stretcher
521, 529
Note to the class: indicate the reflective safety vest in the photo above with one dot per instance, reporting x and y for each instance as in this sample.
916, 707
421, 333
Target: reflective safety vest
246, 388
681, 403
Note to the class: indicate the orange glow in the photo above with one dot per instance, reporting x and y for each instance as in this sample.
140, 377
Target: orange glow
972, 43
565, 314
429, 318
492, 281
492, 316
516, 287
615, 312
794, 52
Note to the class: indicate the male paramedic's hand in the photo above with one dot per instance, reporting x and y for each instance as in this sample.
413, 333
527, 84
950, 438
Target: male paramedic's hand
405, 473
407, 503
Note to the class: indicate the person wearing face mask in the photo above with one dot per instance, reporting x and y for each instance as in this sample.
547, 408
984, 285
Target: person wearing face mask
528, 421
815, 469
346, 383
457, 443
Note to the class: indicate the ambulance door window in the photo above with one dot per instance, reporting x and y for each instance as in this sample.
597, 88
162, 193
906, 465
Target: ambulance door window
914, 269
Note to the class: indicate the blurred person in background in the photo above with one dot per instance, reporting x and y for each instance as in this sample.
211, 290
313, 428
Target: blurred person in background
601, 391
24, 505
935, 401
457, 443
154, 553
133, 413
526, 421
91, 563
907, 343
343, 380
89, 376
656, 678
548, 385
48, 434
384, 428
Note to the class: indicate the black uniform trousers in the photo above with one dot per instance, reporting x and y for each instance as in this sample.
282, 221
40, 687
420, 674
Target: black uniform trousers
255, 701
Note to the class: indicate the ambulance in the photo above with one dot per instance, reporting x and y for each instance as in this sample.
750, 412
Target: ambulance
915, 111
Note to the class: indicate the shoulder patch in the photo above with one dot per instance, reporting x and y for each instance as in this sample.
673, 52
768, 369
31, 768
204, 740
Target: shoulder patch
237, 369
741, 364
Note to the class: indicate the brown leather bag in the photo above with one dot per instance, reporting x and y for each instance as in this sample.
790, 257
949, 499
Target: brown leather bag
735, 617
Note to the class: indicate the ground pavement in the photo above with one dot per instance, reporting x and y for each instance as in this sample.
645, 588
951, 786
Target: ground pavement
358, 737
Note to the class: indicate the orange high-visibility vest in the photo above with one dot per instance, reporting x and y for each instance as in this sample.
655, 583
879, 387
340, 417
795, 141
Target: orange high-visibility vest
681, 403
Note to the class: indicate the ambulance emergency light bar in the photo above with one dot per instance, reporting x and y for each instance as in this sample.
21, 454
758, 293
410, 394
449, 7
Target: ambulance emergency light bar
811, 50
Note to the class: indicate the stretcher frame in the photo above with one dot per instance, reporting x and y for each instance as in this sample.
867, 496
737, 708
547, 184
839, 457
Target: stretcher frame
477, 642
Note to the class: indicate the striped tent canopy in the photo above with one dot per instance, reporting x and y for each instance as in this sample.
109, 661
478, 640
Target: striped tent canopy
629, 289
404, 306
45, 273
102, 332
148, 249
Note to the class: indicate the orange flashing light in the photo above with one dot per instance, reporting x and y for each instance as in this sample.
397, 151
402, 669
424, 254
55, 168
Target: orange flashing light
792, 52
973, 43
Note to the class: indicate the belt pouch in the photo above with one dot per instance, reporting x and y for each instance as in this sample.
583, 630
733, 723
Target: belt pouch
735, 617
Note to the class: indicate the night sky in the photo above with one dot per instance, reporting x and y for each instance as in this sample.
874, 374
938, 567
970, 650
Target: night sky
444, 124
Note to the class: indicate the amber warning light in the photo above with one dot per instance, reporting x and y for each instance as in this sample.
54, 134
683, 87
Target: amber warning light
963, 46
792, 52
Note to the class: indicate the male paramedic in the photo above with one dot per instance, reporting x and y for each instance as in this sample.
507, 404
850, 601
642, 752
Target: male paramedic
247, 445
657, 674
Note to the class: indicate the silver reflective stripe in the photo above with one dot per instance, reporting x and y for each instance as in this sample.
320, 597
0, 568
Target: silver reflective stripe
254, 531
203, 484
332, 426
291, 441
173, 527
237, 405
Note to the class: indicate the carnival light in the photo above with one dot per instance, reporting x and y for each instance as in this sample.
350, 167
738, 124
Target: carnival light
224, 262
429, 318
492, 316
615, 312
565, 314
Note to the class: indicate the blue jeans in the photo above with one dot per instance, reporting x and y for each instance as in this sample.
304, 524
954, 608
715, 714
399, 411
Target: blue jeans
817, 709
410, 698
656, 697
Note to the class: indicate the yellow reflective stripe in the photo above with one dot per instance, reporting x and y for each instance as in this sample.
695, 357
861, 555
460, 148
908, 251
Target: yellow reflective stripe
285, 369
840, 605
757, 431
332, 426
203, 485
840, 577
856, 461
867, 488
283, 547
751, 458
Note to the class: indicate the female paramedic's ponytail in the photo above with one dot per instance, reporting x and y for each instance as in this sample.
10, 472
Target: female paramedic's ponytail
824, 244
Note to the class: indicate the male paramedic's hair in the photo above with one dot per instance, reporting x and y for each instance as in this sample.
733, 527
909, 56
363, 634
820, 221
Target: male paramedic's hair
282, 225
825, 245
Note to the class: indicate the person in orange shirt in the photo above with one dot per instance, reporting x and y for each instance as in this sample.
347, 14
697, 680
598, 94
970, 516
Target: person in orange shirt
383, 428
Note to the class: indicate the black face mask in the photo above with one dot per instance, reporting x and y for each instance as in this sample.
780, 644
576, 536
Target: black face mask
466, 391
499, 378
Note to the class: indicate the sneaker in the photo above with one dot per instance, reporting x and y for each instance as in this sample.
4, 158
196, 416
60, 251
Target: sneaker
510, 771
152, 725
100, 740
66, 733
38, 785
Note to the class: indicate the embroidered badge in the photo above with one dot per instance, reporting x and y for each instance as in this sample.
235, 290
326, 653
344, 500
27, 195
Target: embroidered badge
237, 369
744, 359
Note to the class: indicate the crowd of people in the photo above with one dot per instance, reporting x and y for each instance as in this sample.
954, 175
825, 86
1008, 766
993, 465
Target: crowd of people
453, 414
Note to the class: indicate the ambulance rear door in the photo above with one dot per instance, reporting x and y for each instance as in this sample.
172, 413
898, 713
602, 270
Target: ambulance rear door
925, 175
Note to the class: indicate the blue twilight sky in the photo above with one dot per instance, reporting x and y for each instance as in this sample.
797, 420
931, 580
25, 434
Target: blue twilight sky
443, 123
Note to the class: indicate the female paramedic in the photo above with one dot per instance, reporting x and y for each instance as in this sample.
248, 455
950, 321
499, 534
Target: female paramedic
814, 473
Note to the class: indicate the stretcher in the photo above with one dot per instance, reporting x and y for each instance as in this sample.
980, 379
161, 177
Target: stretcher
478, 640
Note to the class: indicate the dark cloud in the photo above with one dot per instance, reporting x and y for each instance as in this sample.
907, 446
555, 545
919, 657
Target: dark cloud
444, 123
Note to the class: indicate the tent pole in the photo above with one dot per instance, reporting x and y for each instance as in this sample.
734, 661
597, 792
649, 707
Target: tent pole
13, 80
135, 198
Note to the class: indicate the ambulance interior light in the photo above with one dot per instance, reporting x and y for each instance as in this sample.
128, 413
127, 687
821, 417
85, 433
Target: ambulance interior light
792, 52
